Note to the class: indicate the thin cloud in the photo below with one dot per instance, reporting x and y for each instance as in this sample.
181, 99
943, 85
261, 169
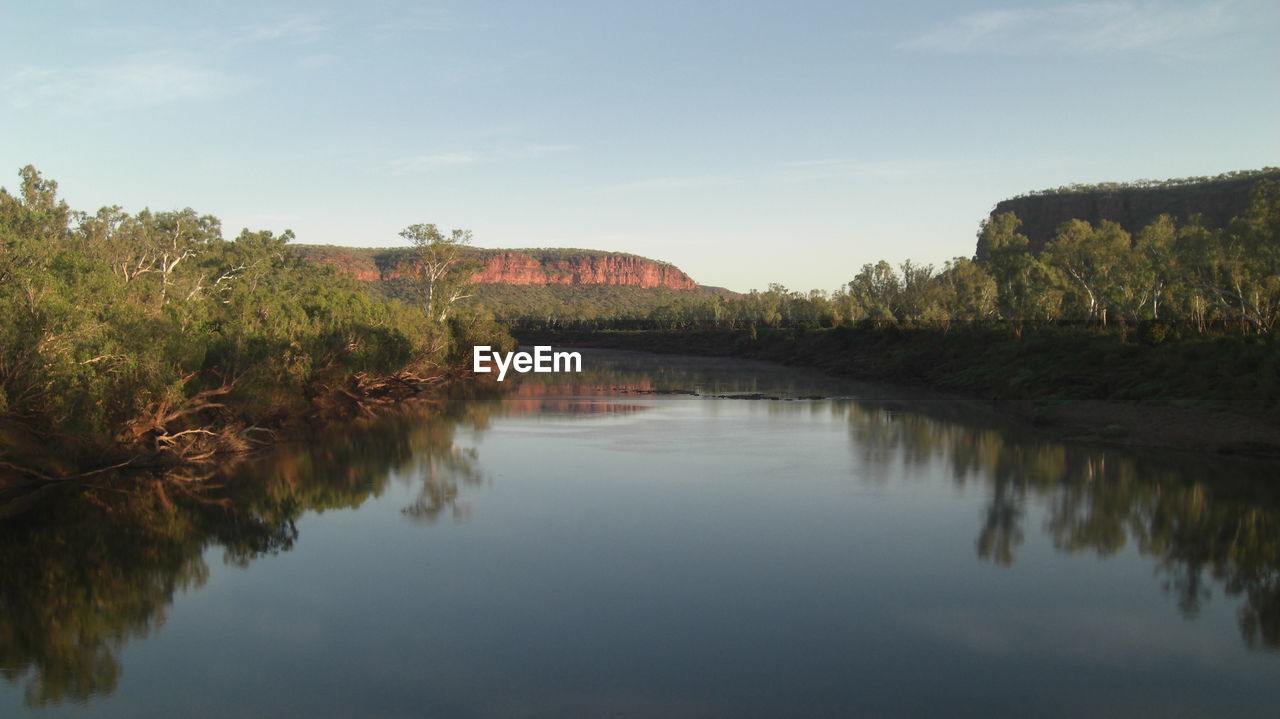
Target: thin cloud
681, 182
183, 66
1080, 28
807, 170
427, 163
797, 172
126, 83
535, 151
417, 19
298, 29
311, 62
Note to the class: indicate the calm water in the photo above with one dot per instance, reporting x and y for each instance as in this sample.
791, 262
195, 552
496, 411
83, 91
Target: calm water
604, 549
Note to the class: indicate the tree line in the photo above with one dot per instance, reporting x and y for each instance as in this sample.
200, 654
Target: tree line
1108, 187
1184, 274
149, 333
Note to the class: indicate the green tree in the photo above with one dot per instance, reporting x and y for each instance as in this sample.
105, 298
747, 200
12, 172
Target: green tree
1023, 283
967, 292
1254, 243
920, 299
1156, 259
1090, 258
441, 272
1238, 268
876, 292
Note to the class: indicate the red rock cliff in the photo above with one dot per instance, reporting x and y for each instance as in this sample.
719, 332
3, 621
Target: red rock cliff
519, 268
515, 267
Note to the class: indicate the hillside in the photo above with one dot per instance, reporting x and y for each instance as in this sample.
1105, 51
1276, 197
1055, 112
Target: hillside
1134, 205
544, 286
541, 266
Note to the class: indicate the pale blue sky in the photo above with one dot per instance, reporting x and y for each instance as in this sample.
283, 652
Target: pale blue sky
746, 142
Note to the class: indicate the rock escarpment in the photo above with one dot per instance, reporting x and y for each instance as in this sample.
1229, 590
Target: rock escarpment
515, 267
1216, 200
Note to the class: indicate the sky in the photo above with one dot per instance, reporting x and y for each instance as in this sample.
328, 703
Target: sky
745, 142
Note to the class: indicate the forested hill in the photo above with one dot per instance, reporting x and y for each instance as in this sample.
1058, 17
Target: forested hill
515, 266
543, 287
1134, 205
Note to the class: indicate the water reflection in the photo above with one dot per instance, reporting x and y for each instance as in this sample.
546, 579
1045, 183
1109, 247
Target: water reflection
1207, 521
89, 568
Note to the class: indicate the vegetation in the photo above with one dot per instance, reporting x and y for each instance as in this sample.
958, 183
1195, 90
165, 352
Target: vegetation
1168, 281
394, 273
149, 337
1051, 364
391, 259
436, 269
588, 306
1090, 189
1179, 314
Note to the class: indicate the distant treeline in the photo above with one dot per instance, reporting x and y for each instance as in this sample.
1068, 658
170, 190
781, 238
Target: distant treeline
390, 260
1185, 275
126, 335
1101, 187
598, 306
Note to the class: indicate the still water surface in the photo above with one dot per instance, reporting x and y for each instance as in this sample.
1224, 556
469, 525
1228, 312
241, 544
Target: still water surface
603, 548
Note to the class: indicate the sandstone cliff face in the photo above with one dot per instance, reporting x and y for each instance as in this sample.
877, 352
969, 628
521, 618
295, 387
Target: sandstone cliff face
516, 267
1133, 208
360, 271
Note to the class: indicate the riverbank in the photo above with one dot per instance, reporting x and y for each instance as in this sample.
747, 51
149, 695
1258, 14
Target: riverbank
218, 435
1215, 394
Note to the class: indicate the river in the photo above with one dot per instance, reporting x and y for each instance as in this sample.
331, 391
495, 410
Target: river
656, 537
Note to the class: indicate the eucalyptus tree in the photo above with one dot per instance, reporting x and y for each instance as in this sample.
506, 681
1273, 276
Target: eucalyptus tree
1254, 244
1156, 261
919, 298
1238, 268
1023, 283
440, 270
1091, 259
966, 291
876, 292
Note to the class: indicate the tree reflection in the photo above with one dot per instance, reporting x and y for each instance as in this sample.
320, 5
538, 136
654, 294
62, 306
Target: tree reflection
84, 575
89, 567
1220, 534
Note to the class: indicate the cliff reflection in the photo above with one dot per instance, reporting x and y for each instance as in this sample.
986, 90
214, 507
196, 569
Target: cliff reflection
1223, 533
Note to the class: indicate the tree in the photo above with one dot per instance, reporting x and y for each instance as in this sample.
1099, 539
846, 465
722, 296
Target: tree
441, 272
967, 292
1156, 259
876, 292
920, 298
1255, 238
1091, 259
1239, 266
1022, 281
